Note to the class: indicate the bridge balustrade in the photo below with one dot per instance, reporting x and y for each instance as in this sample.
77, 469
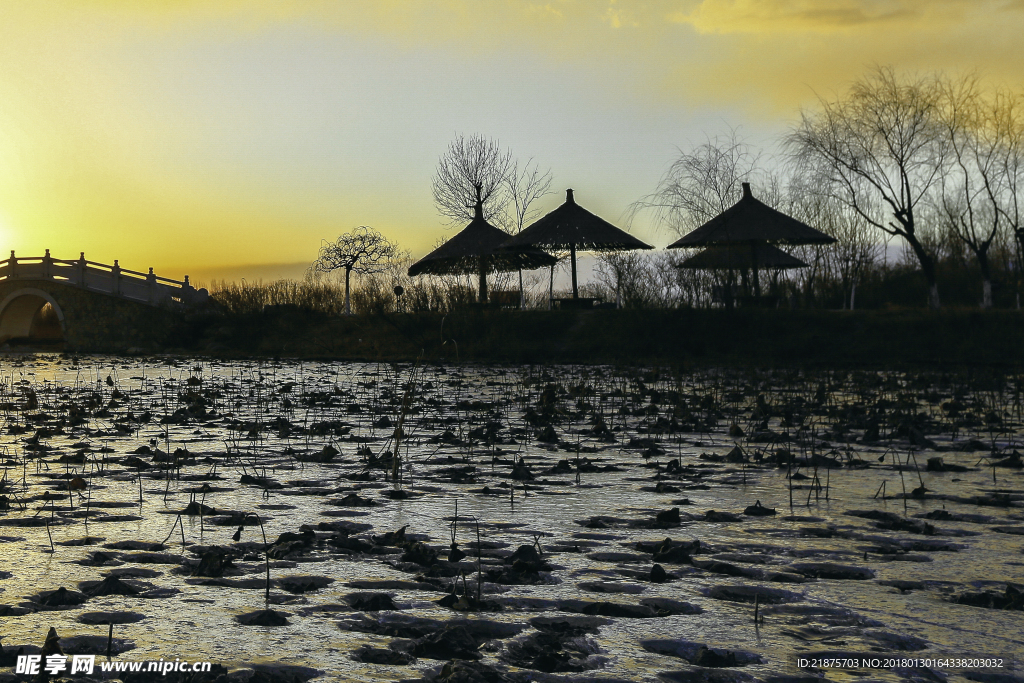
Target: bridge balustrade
102, 278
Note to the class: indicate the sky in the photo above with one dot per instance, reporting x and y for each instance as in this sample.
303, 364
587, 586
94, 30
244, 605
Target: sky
228, 138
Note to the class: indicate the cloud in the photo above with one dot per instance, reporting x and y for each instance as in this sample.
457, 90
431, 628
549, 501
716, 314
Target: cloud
232, 122
765, 16
616, 17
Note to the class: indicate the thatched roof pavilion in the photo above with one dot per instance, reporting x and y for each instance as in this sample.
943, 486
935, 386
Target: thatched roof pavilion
748, 221
477, 248
572, 227
737, 257
751, 222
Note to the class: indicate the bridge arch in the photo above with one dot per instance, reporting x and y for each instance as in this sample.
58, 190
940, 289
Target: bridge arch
31, 314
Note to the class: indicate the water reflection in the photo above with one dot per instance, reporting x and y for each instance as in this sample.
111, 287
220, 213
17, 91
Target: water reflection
577, 461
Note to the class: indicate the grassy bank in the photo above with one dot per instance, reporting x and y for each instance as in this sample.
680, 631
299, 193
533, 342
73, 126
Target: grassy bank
684, 337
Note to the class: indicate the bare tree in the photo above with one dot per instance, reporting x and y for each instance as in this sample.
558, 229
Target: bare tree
704, 182
701, 183
973, 184
473, 170
849, 257
1008, 120
643, 280
882, 142
524, 185
617, 270
476, 177
364, 250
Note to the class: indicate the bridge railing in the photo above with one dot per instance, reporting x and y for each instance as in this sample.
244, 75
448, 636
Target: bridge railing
105, 279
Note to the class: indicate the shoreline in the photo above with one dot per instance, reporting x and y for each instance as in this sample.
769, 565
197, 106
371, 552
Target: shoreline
964, 338
688, 338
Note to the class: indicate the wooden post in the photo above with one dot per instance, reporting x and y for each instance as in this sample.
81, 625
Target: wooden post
753, 267
483, 279
551, 288
572, 255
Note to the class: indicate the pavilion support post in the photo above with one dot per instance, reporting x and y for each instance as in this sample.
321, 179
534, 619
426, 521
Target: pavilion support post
572, 257
730, 278
753, 264
483, 279
551, 287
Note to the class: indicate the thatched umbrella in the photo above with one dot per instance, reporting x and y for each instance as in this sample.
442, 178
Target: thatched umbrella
735, 257
477, 249
751, 222
572, 227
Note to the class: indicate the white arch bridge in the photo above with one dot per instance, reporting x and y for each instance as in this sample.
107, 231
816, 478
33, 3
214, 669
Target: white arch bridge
44, 300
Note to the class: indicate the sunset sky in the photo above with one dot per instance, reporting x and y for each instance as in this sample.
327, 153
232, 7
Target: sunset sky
214, 136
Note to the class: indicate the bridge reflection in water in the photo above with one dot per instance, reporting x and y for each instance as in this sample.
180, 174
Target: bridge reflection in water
31, 289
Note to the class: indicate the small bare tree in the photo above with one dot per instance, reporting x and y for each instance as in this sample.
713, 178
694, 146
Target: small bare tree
473, 170
364, 250
641, 280
846, 260
524, 185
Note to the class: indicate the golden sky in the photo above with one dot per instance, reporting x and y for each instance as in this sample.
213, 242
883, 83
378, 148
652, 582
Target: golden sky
206, 134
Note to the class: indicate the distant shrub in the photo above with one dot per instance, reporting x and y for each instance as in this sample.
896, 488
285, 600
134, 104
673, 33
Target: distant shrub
320, 296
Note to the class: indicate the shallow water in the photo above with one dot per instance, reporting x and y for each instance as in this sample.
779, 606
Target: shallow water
256, 417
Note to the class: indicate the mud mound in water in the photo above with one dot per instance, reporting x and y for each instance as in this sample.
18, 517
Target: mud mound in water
761, 594
370, 602
1012, 598
60, 598
263, 617
94, 645
110, 617
828, 570
700, 654
304, 583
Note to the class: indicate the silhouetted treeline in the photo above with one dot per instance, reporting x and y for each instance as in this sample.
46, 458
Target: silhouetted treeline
646, 281
920, 180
